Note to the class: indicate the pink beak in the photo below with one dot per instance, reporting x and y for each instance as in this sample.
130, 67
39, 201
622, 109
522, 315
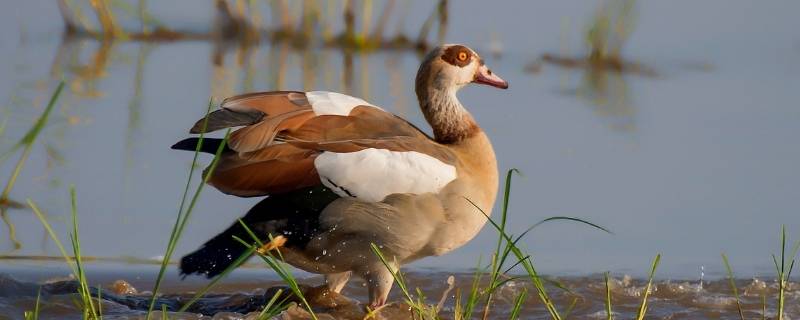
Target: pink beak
485, 76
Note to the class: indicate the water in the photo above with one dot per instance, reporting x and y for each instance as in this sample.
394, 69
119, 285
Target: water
700, 159
246, 290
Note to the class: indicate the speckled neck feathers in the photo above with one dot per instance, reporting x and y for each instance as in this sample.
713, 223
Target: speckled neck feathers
450, 121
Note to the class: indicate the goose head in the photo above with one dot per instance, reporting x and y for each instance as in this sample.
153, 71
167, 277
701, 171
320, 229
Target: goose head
444, 71
455, 66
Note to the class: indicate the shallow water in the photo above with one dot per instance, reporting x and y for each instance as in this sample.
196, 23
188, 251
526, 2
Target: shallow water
698, 160
246, 290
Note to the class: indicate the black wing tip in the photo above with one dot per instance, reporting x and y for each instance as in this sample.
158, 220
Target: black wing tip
188, 144
210, 145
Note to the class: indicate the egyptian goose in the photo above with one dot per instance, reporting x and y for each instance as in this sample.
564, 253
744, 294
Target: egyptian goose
340, 174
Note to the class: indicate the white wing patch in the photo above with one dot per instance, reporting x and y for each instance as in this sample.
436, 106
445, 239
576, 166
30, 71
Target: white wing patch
372, 174
324, 102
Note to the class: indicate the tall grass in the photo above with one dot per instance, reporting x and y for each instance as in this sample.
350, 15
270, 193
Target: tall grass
418, 304
89, 309
276, 264
202, 292
609, 314
92, 310
506, 256
610, 28
3, 127
26, 143
509, 245
732, 282
784, 270
498, 272
274, 305
518, 302
184, 215
644, 305
34, 315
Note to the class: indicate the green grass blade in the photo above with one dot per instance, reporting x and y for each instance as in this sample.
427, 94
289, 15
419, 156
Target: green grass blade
398, 277
34, 315
474, 293
75, 262
88, 301
419, 305
732, 282
235, 264
287, 277
252, 234
573, 219
100, 302
279, 269
515, 311
3, 127
498, 259
570, 308
52, 235
38, 303
527, 266
27, 141
643, 306
183, 216
30, 137
609, 315
506, 198
179, 218
273, 307
793, 257
781, 273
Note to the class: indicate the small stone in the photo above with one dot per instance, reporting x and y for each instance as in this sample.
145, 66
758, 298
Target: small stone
122, 287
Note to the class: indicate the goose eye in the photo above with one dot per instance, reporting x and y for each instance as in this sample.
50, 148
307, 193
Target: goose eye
462, 56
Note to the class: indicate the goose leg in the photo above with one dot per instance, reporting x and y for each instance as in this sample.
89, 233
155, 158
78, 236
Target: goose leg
379, 282
337, 281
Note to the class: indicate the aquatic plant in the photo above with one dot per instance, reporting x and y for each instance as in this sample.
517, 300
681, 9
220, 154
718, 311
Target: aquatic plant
643, 306
606, 35
418, 304
75, 262
184, 215
609, 314
242, 21
609, 29
732, 282
416, 300
497, 272
276, 264
34, 315
26, 143
784, 270
524, 260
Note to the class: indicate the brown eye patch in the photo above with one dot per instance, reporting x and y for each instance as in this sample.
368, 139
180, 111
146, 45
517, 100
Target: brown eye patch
457, 55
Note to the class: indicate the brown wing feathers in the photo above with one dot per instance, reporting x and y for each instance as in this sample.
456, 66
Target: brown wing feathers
261, 135
260, 178
251, 108
274, 152
226, 118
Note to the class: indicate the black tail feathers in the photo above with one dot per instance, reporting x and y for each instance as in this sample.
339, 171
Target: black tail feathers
216, 255
210, 145
294, 214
